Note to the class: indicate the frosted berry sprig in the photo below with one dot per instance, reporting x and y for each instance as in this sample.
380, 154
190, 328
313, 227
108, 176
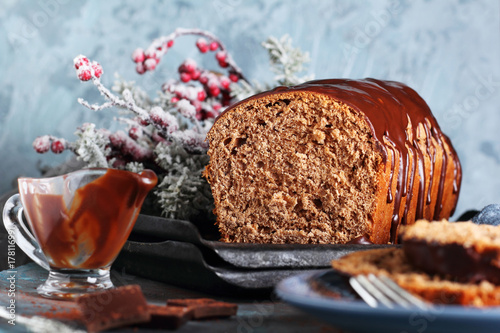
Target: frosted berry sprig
145, 116
215, 91
146, 129
45, 143
85, 70
119, 148
161, 45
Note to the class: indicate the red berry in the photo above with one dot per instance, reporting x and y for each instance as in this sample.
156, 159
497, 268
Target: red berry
170, 43
150, 53
150, 64
214, 46
138, 55
140, 68
221, 56
175, 99
134, 132
42, 144
185, 77
155, 118
234, 77
216, 106
97, 69
223, 63
213, 83
201, 44
195, 75
80, 61
224, 82
57, 146
84, 74
214, 91
203, 79
189, 65
202, 95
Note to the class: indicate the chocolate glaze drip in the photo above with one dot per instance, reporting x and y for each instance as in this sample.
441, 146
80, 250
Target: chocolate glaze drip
389, 107
363, 240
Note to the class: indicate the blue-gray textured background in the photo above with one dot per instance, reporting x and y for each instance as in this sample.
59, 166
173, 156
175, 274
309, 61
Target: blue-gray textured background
449, 51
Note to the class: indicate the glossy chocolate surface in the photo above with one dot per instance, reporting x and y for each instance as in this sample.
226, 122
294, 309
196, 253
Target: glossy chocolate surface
464, 264
388, 107
365, 240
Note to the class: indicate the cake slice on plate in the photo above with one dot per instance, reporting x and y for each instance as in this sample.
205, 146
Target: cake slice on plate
442, 262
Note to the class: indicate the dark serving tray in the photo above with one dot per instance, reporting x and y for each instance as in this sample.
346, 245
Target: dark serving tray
183, 264
173, 251
151, 229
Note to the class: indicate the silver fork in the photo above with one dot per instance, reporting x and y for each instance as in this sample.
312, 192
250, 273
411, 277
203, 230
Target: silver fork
376, 290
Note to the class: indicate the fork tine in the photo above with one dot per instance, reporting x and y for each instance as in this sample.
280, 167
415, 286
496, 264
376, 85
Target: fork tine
362, 292
388, 291
403, 294
368, 292
381, 289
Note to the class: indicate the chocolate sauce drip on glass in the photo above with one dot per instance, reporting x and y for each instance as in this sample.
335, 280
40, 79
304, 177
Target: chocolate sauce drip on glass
388, 106
89, 231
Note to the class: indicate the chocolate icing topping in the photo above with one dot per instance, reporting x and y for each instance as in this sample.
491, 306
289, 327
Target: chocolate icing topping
464, 264
363, 240
388, 107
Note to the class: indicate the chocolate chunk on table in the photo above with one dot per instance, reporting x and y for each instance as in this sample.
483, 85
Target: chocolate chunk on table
205, 307
113, 308
168, 316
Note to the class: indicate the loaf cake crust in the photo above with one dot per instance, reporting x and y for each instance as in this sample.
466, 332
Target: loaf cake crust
329, 161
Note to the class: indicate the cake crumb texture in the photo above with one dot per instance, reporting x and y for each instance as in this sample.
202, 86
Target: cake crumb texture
288, 171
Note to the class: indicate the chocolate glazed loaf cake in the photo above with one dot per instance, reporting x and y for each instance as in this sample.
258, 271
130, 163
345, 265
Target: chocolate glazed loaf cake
329, 161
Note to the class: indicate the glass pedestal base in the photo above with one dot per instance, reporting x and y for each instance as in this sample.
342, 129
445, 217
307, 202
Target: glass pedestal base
69, 284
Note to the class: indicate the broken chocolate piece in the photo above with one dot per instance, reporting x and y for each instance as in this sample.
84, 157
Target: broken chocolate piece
168, 316
113, 308
205, 307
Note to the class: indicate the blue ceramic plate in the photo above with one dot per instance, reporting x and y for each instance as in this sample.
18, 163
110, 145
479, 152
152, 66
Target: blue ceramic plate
326, 296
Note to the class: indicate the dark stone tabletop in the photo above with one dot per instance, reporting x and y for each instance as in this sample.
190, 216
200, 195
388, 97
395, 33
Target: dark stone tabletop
254, 315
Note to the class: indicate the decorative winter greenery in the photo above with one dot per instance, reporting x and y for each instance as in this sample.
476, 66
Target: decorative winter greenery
285, 62
167, 133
